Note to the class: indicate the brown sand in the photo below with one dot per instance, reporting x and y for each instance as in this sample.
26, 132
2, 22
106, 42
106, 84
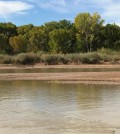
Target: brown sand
112, 78
77, 77
3, 66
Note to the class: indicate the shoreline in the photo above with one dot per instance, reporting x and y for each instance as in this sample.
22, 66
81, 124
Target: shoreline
105, 78
94, 78
11, 66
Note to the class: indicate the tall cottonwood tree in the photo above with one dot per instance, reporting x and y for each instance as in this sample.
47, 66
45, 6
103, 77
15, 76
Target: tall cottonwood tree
87, 25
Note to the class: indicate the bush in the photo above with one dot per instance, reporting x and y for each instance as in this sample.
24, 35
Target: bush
105, 51
49, 59
90, 58
113, 57
85, 58
6, 59
54, 59
26, 58
73, 58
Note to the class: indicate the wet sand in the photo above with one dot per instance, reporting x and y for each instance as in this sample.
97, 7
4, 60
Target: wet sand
4, 66
112, 78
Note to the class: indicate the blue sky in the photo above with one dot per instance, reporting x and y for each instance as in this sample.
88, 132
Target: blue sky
38, 12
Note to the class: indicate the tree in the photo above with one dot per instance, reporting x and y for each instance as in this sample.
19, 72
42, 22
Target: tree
7, 30
62, 24
60, 41
3, 43
112, 37
19, 43
24, 29
87, 25
37, 40
65, 24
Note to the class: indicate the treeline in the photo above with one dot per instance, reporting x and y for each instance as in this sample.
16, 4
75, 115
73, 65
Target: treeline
86, 34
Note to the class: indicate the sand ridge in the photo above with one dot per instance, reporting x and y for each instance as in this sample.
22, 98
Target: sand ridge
112, 77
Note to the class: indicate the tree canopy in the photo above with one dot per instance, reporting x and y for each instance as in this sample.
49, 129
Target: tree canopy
87, 33
87, 26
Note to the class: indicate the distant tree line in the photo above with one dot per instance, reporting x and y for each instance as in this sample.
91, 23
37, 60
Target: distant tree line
88, 33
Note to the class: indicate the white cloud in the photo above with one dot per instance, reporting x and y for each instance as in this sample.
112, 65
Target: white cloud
55, 5
112, 12
10, 7
109, 9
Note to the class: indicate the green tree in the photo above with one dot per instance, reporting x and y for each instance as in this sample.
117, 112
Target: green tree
3, 43
62, 24
37, 40
65, 24
7, 30
112, 37
60, 41
25, 29
19, 43
87, 26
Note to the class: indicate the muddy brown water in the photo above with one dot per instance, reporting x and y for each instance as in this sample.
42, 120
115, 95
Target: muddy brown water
35, 107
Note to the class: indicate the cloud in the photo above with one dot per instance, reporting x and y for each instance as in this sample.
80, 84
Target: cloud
112, 12
109, 9
59, 6
8, 8
52, 5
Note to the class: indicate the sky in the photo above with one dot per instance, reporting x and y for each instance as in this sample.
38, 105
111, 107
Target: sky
38, 12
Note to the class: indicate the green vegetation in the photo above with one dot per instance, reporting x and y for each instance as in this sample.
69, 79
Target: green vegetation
99, 57
86, 40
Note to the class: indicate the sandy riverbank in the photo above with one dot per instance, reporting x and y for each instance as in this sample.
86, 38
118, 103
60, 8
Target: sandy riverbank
4, 66
76, 77
112, 78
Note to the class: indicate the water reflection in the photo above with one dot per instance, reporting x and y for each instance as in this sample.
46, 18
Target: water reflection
28, 107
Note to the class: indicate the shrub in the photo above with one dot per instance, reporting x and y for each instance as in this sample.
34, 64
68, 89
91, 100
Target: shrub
8, 60
54, 59
26, 58
73, 58
112, 58
49, 59
90, 58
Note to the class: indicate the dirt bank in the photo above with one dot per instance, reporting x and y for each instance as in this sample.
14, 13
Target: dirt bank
69, 77
3, 66
112, 78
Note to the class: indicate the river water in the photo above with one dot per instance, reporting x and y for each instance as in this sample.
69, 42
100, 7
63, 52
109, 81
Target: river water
54, 70
35, 107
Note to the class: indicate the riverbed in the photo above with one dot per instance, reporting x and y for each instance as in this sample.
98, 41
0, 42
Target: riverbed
37, 106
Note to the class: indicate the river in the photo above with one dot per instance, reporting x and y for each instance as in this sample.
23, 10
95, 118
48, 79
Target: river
56, 70
35, 107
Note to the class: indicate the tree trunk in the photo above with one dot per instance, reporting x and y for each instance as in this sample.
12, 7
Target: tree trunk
87, 43
90, 47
